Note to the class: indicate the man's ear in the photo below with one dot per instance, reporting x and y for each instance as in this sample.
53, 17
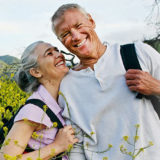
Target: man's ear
91, 20
35, 72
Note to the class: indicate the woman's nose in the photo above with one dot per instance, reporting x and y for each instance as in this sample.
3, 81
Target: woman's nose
58, 54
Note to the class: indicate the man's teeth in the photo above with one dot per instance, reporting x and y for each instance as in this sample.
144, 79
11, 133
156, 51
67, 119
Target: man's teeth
80, 44
60, 63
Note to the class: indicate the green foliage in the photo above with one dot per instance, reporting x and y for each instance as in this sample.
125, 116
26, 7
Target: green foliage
155, 43
2, 66
10, 95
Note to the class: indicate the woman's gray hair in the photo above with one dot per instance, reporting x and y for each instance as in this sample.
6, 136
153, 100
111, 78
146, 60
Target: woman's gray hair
24, 79
62, 9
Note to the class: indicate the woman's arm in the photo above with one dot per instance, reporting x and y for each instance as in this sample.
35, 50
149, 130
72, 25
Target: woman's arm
21, 133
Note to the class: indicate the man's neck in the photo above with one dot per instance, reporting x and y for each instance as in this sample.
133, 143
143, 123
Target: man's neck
89, 62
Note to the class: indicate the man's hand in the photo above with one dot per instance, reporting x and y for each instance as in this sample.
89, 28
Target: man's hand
142, 82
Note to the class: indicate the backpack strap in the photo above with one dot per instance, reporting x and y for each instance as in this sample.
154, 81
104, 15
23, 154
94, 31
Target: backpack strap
50, 114
40, 104
130, 61
129, 57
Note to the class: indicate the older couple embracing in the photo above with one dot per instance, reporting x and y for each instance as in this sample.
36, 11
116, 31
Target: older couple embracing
97, 96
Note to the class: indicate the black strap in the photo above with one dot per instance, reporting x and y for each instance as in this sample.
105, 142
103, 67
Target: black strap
130, 61
50, 114
129, 57
40, 104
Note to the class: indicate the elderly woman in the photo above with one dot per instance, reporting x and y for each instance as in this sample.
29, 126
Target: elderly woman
43, 68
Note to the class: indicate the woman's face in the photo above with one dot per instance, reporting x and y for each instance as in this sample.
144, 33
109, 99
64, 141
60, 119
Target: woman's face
51, 63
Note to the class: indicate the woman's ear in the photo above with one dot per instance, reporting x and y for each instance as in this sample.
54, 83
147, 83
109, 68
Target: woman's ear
35, 72
91, 20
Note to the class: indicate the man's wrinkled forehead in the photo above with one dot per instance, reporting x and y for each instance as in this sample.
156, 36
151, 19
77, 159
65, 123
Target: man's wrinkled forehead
70, 17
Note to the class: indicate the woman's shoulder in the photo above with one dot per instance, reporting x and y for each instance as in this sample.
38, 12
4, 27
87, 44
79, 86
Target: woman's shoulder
33, 113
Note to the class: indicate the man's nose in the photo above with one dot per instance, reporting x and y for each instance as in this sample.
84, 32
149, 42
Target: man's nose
75, 34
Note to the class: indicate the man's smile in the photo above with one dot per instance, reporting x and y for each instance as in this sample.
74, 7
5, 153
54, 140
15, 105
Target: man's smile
81, 43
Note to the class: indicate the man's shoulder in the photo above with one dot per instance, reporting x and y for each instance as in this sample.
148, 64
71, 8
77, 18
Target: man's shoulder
67, 78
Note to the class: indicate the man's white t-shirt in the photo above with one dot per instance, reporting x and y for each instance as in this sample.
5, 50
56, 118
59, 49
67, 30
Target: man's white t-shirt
102, 106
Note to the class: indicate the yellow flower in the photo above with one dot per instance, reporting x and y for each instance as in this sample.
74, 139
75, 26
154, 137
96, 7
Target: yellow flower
141, 149
19, 156
45, 108
125, 138
29, 158
151, 143
55, 124
110, 146
87, 144
5, 129
136, 138
70, 146
121, 146
15, 142
12, 75
8, 157
92, 133
2, 110
35, 135
130, 153
105, 158
53, 152
25, 119
137, 126
1, 124
6, 142
39, 158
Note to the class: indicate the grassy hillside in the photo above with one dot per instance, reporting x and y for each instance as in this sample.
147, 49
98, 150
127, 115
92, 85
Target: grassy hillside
2, 66
8, 64
9, 59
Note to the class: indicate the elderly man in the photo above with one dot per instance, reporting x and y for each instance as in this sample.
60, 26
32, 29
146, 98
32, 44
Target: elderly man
99, 93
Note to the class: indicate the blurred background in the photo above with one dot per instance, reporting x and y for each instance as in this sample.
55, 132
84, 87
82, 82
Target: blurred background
25, 21
117, 21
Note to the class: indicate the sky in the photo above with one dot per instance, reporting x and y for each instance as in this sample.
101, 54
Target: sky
117, 21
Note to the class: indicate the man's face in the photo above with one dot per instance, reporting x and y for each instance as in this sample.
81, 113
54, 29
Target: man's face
76, 31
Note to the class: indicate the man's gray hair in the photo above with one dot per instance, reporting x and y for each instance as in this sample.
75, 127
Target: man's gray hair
24, 79
62, 9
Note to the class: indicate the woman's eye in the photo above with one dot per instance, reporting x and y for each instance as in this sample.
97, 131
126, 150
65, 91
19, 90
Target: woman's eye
49, 53
57, 50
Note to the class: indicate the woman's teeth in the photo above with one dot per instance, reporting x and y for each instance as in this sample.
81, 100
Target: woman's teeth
60, 63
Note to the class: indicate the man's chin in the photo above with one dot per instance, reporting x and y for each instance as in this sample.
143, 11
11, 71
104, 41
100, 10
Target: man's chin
82, 53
